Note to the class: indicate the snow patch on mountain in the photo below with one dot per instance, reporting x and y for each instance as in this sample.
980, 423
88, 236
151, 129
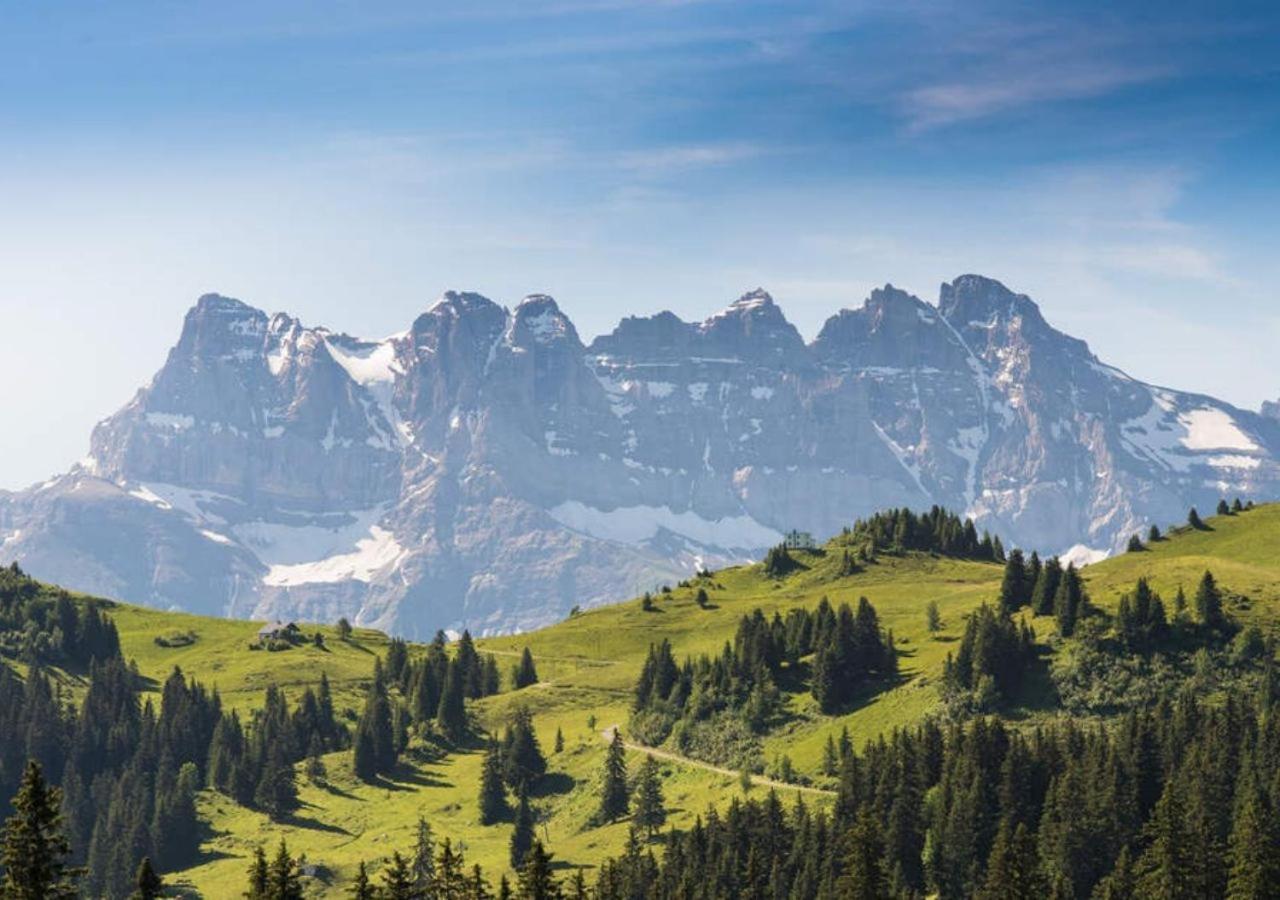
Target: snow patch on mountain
1079, 555
1171, 436
637, 524
373, 553
1213, 429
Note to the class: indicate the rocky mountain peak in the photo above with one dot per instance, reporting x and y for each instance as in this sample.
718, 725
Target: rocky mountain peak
891, 301
975, 299
661, 335
538, 318
459, 313
1271, 410
753, 328
456, 304
219, 327
757, 298
892, 327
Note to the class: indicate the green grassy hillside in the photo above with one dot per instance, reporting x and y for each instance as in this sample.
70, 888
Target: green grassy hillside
588, 665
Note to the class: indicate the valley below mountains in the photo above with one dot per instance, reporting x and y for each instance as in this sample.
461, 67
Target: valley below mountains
488, 469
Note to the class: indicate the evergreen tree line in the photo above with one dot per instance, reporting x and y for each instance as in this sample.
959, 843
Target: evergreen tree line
1181, 800
847, 648
253, 763
128, 775
993, 656
428, 872
43, 625
936, 531
428, 694
1047, 588
1177, 801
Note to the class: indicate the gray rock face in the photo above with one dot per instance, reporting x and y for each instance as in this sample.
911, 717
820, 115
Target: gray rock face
487, 469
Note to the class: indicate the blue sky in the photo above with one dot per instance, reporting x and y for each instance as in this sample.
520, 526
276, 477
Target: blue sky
349, 161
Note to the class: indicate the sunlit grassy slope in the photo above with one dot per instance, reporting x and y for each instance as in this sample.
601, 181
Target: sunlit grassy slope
1242, 550
588, 664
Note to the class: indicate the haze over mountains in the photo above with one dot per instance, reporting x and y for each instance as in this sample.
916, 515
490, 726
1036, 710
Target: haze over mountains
487, 469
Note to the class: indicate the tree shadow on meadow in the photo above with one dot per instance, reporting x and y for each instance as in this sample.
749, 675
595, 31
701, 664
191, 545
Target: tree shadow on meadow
307, 823
553, 784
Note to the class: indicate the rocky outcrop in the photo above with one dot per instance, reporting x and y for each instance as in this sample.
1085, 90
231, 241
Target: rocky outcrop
487, 469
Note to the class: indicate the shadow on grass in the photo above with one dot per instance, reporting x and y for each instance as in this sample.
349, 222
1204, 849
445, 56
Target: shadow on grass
553, 784
309, 824
867, 693
336, 791
1036, 692
206, 856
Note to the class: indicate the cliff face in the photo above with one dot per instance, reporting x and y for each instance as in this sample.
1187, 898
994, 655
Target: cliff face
485, 468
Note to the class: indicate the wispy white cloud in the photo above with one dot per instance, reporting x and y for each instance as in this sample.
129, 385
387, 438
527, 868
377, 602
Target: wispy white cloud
662, 160
1014, 87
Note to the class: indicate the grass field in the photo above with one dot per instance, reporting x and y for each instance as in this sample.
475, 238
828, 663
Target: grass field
588, 664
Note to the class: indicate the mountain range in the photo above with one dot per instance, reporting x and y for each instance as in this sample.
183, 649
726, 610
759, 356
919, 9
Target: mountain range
488, 469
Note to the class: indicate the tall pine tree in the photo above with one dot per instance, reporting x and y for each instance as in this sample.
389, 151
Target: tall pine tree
613, 792
34, 848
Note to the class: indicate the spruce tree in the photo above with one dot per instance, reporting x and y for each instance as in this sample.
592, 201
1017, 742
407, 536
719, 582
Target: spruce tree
1013, 871
1164, 869
451, 877
492, 681
535, 880
648, 803
477, 886
522, 760
1068, 602
397, 880
277, 791
1255, 865
315, 765
33, 848
1046, 587
932, 617
377, 720
558, 747
1209, 603
864, 875
283, 879
147, 884
1194, 520
525, 673
259, 876
451, 717
364, 758
1014, 590
470, 668
493, 797
522, 833
423, 864
361, 889
613, 793
1121, 883
830, 758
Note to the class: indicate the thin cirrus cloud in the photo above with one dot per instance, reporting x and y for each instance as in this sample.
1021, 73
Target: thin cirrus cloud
1028, 83
663, 160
